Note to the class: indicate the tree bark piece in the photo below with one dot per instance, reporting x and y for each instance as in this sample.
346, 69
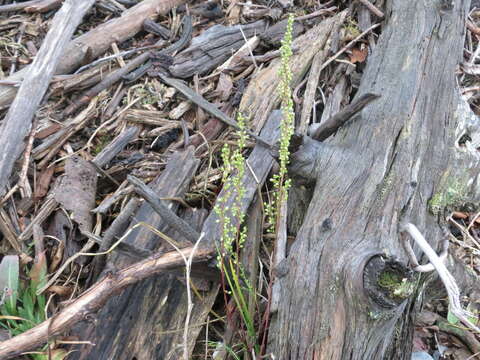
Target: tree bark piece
18, 121
212, 48
76, 191
94, 43
374, 173
118, 226
116, 145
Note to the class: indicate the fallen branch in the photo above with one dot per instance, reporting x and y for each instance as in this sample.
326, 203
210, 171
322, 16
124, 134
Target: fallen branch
373, 9
447, 278
44, 6
95, 297
19, 6
331, 125
207, 106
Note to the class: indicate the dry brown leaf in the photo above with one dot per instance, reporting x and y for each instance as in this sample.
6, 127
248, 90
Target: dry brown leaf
459, 215
43, 183
60, 290
76, 191
358, 55
224, 87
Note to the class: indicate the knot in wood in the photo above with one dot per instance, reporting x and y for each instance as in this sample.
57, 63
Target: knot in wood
387, 282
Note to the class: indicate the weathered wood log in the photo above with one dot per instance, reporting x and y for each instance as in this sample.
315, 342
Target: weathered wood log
18, 122
396, 163
170, 218
94, 43
212, 48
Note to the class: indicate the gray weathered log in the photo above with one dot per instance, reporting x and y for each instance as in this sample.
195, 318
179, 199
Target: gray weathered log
18, 121
374, 173
116, 229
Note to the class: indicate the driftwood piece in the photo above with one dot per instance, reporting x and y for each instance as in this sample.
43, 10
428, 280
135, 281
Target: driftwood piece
373, 8
212, 48
275, 33
157, 29
334, 101
109, 201
64, 84
308, 103
18, 121
372, 175
94, 43
115, 146
266, 81
329, 126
